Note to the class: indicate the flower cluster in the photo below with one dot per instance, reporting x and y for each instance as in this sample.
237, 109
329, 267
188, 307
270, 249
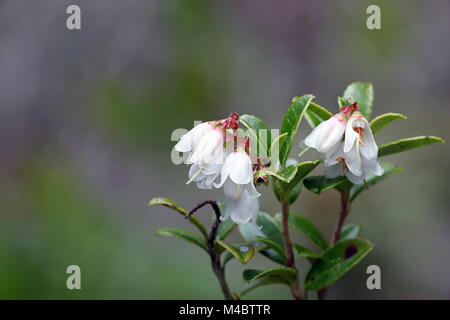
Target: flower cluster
348, 144
209, 155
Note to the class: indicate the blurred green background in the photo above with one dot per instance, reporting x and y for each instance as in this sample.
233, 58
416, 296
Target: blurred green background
86, 118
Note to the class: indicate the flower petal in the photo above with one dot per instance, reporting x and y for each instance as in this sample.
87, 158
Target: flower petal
350, 135
251, 190
241, 171
232, 190
325, 136
370, 149
333, 171
243, 209
354, 178
353, 160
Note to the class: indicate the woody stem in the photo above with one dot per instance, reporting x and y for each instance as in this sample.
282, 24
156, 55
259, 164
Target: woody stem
345, 209
290, 261
216, 265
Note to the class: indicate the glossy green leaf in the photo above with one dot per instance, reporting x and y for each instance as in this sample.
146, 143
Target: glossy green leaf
383, 120
313, 119
362, 93
315, 114
335, 262
406, 144
178, 208
291, 123
286, 175
263, 137
187, 235
292, 189
288, 275
388, 168
294, 193
303, 252
272, 244
243, 253
322, 112
350, 231
319, 184
259, 278
303, 169
270, 230
309, 229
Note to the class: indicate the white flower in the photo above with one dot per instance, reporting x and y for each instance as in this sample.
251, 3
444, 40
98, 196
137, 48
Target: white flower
210, 149
357, 155
190, 140
327, 134
237, 175
337, 162
204, 176
358, 133
242, 210
241, 194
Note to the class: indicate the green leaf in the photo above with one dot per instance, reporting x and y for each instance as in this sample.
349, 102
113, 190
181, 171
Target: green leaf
388, 168
406, 144
319, 184
292, 188
309, 229
243, 253
286, 175
322, 112
304, 252
293, 194
382, 120
362, 93
303, 169
259, 278
335, 262
287, 275
178, 208
350, 231
187, 235
269, 230
225, 228
272, 244
291, 123
254, 125
315, 114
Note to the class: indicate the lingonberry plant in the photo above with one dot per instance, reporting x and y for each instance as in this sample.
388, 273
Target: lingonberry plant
240, 153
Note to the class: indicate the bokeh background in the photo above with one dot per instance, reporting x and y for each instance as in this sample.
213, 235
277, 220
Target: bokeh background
86, 119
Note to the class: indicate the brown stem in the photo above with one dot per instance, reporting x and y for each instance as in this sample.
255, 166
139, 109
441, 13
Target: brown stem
290, 261
217, 267
345, 209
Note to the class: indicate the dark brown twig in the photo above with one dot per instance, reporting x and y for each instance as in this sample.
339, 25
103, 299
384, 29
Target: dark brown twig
217, 267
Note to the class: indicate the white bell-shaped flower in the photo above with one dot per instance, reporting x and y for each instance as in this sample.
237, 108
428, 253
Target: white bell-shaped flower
359, 133
237, 175
242, 210
327, 134
205, 175
353, 164
242, 203
210, 149
190, 140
